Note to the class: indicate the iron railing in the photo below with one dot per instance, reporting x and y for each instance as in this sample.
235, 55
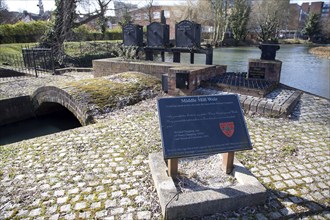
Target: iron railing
32, 62
39, 59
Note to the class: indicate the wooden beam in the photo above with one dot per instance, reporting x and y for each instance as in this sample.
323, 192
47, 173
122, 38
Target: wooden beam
228, 162
172, 165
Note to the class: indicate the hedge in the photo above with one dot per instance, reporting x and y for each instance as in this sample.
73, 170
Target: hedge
22, 32
31, 32
84, 33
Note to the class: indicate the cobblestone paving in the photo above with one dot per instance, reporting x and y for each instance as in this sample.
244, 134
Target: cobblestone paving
101, 171
19, 86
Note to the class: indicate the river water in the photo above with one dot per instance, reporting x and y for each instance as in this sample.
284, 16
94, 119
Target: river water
35, 127
300, 69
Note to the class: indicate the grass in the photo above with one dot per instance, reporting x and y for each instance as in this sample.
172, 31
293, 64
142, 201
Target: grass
89, 47
293, 41
14, 49
321, 51
71, 48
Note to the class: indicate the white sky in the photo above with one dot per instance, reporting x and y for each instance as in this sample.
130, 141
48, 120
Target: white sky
31, 5
49, 5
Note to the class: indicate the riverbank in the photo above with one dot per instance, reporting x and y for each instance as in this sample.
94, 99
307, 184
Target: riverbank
323, 52
101, 171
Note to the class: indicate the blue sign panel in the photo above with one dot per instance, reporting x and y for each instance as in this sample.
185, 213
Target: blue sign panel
201, 125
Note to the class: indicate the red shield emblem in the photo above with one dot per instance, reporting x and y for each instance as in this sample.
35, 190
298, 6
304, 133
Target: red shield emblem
227, 128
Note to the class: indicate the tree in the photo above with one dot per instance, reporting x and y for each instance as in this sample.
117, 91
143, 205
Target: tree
62, 27
65, 19
101, 8
268, 16
199, 11
125, 19
221, 19
3, 5
312, 26
191, 11
239, 19
3, 8
325, 24
103, 20
149, 9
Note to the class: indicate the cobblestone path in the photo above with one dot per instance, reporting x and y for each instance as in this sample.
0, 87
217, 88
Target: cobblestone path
101, 171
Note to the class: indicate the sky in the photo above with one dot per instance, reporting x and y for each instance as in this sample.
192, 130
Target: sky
31, 5
49, 5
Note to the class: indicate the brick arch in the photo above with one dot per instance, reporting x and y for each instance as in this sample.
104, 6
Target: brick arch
53, 94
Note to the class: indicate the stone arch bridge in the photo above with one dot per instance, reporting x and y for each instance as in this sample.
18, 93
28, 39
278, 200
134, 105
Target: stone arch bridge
52, 94
47, 98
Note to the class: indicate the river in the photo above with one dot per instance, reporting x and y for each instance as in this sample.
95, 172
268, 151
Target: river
35, 127
300, 69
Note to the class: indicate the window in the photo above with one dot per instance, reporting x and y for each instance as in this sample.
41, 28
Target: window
138, 17
156, 15
167, 14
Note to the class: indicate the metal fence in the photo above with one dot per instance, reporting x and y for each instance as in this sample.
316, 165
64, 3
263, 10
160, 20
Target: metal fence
39, 59
32, 62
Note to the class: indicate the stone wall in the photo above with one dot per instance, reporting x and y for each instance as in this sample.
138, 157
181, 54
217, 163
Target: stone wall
196, 76
106, 67
197, 73
15, 109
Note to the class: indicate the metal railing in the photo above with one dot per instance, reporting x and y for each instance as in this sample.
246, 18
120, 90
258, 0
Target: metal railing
32, 62
39, 59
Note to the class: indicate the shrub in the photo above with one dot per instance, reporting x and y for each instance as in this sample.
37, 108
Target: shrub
22, 32
85, 33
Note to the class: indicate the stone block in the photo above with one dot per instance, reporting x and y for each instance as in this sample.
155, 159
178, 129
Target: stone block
261, 107
175, 205
268, 108
254, 105
272, 68
276, 110
247, 104
15, 109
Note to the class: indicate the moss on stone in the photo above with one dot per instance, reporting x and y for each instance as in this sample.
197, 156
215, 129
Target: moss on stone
116, 91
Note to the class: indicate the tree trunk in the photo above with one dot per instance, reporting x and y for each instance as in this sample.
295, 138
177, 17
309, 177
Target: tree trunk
56, 36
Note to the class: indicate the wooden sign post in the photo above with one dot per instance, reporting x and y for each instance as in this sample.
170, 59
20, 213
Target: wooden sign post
228, 162
202, 125
172, 165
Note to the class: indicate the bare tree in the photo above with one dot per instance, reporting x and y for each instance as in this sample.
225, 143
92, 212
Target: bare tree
3, 8
65, 20
267, 17
221, 19
199, 11
191, 11
150, 9
209, 12
58, 33
101, 7
3, 5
